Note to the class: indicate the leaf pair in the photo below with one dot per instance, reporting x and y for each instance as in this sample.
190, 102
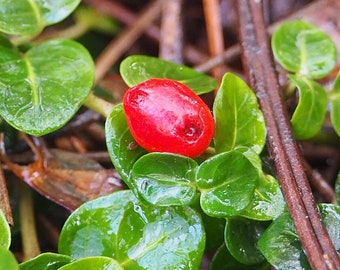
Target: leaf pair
228, 184
135, 235
261, 245
43, 88
310, 54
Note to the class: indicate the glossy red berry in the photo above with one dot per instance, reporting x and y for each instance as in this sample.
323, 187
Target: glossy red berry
167, 116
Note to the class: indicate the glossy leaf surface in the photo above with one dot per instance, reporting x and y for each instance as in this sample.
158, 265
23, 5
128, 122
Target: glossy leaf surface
309, 115
227, 183
163, 238
304, 49
43, 88
5, 235
98, 263
268, 202
241, 238
92, 229
123, 149
46, 261
7, 260
165, 179
27, 17
238, 119
280, 243
334, 98
134, 234
138, 68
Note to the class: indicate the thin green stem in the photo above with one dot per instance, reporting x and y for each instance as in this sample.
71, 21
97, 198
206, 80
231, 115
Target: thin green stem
28, 230
98, 105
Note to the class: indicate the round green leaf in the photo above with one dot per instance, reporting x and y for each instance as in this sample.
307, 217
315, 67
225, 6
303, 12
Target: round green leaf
7, 260
122, 148
334, 98
165, 179
42, 89
160, 238
310, 112
120, 227
46, 261
91, 230
304, 49
241, 238
5, 235
138, 68
223, 260
239, 121
281, 245
268, 202
227, 183
97, 263
28, 17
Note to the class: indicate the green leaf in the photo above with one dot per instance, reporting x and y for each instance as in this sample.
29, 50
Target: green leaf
122, 148
227, 183
304, 49
334, 97
92, 229
252, 156
28, 17
330, 214
97, 263
175, 235
45, 87
281, 245
241, 238
239, 121
5, 235
7, 260
120, 227
223, 260
268, 202
310, 112
165, 179
46, 261
138, 68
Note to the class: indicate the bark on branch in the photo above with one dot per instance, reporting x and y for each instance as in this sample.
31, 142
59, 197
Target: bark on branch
259, 67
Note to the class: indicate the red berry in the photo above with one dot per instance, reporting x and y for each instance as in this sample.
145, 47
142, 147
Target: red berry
167, 116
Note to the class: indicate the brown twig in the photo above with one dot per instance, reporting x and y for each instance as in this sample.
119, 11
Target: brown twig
258, 64
119, 45
4, 199
213, 20
319, 183
122, 14
170, 43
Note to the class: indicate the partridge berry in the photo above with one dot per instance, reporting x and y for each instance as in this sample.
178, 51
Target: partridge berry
165, 115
